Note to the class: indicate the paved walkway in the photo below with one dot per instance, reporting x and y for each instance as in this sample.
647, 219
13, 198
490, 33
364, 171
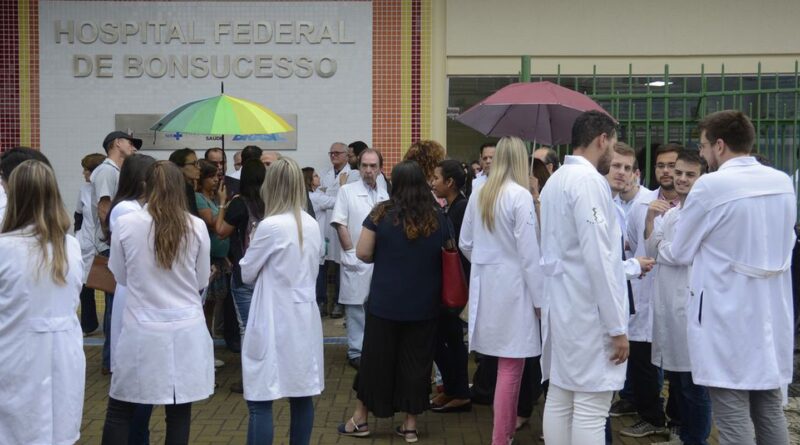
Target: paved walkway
222, 419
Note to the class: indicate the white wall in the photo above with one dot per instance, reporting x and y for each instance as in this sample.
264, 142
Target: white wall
77, 112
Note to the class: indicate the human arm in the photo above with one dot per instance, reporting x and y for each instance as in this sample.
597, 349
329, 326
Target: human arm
203, 258
116, 259
366, 245
657, 246
227, 217
691, 228
655, 209
205, 212
465, 238
600, 246
103, 207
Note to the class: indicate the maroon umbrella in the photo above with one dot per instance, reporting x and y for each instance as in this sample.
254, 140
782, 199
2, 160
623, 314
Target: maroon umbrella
534, 111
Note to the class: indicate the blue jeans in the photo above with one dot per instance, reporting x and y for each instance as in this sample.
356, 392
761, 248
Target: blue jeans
260, 431
242, 295
695, 408
355, 329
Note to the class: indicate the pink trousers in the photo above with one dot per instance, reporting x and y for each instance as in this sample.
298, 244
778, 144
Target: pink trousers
506, 396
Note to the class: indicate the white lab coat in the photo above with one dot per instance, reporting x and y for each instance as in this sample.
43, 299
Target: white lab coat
282, 351
322, 204
42, 365
3, 202
86, 235
738, 226
120, 292
165, 354
329, 182
670, 295
640, 326
505, 283
353, 204
586, 298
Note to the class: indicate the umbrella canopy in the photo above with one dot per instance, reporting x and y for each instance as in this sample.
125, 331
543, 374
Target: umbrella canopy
536, 111
222, 115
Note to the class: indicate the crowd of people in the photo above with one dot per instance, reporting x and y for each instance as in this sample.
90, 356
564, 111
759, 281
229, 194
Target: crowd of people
582, 284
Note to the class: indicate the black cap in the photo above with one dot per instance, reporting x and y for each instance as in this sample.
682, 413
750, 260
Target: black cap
121, 135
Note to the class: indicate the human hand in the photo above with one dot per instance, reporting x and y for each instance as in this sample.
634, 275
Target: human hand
621, 349
657, 208
533, 186
646, 263
222, 193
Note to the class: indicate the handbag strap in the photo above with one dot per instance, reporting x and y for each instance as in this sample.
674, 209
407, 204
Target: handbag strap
448, 237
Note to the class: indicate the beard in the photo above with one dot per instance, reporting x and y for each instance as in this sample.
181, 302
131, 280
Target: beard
604, 163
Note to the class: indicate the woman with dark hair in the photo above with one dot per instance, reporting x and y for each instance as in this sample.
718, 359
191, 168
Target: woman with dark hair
130, 198
186, 160
164, 355
404, 299
238, 220
42, 363
451, 352
84, 232
210, 192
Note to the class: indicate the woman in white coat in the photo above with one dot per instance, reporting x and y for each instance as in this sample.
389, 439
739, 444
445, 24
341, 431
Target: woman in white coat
498, 236
165, 354
282, 351
42, 365
322, 203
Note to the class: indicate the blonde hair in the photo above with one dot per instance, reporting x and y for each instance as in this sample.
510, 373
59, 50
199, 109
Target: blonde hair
284, 191
166, 203
34, 200
509, 164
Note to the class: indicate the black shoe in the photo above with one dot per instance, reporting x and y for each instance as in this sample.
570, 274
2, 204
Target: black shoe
354, 362
337, 311
467, 407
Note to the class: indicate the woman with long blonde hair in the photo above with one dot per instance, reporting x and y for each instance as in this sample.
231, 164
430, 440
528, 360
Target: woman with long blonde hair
41, 343
164, 355
498, 236
282, 351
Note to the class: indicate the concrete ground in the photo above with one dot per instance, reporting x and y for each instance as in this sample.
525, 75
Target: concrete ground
222, 419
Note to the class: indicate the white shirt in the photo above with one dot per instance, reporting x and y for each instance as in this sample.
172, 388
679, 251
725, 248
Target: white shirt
586, 298
165, 354
479, 180
505, 278
737, 225
104, 180
670, 295
353, 204
282, 351
42, 363
329, 184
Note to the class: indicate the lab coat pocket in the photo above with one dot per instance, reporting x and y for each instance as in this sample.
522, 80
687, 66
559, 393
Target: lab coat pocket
304, 295
256, 342
486, 256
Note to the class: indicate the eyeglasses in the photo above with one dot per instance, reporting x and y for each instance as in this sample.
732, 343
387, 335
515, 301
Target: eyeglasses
336, 153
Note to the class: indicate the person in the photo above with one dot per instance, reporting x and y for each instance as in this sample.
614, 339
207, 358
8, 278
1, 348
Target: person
475, 166
251, 152
269, 157
164, 355
498, 236
105, 179
487, 154
354, 150
209, 194
670, 349
451, 352
282, 353
330, 182
237, 165
9, 161
321, 203
736, 229
585, 288
84, 232
130, 197
644, 378
41, 357
428, 154
353, 204
237, 220
186, 160
216, 155
548, 156
404, 299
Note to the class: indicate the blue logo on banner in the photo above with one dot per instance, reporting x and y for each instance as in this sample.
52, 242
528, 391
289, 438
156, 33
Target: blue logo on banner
259, 137
177, 135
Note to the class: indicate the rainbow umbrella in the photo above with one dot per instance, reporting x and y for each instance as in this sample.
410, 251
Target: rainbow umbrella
221, 115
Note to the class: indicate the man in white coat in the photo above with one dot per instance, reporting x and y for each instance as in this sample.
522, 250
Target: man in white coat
331, 181
487, 156
353, 204
670, 293
737, 231
585, 313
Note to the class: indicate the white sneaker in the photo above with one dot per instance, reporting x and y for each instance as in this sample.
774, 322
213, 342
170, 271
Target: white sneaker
218, 363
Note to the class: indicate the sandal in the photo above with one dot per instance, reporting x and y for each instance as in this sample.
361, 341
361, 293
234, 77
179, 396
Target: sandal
361, 430
410, 436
